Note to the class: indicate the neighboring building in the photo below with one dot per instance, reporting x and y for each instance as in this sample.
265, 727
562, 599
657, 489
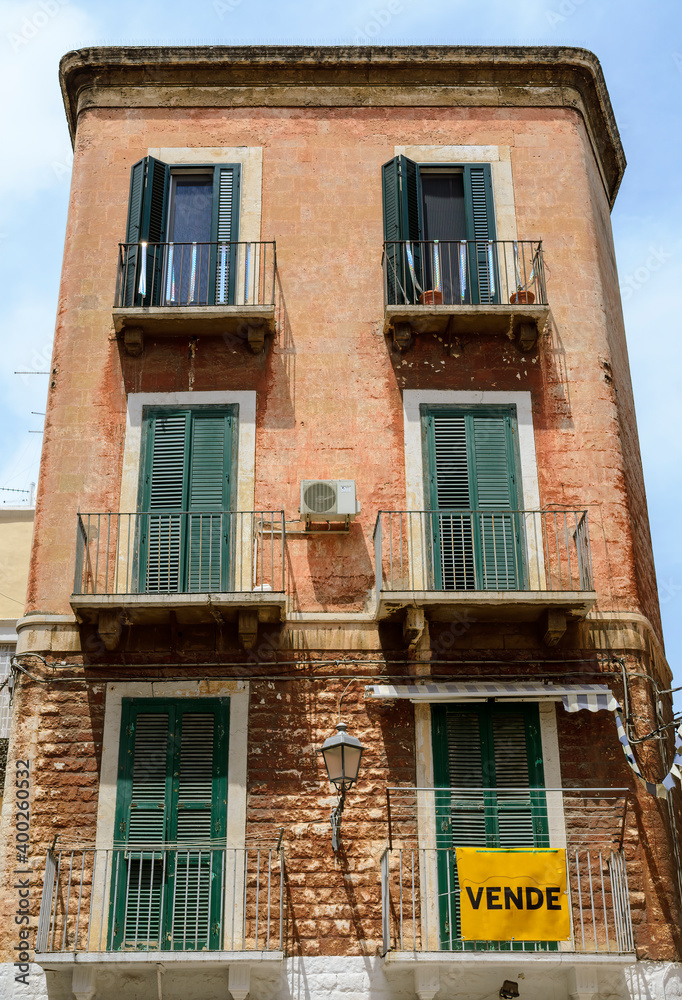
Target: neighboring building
390, 272
16, 529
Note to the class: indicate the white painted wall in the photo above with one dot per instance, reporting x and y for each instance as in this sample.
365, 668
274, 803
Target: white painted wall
365, 978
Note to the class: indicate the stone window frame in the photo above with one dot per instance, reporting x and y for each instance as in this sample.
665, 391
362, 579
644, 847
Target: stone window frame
238, 691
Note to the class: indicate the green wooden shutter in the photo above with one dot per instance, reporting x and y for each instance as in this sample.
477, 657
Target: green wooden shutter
186, 491
164, 492
208, 499
402, 204
224, 236
138, 173
471, 458
147, 214
480, 224
171, 817
144, 788
449, 476
154, 222
494, 489
390, 194
200, 823
496, 752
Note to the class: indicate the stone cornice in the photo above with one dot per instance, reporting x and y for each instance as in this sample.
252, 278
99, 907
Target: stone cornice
349, 76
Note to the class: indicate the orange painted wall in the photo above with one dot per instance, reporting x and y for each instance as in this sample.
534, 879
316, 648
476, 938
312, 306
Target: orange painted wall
329, 392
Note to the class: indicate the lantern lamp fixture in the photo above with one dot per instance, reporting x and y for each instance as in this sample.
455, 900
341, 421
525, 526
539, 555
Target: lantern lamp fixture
342, 754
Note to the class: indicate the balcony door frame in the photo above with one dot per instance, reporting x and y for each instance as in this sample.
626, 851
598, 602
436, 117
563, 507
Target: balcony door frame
238, 691
250, 159
417, 490
243, 459
426, 808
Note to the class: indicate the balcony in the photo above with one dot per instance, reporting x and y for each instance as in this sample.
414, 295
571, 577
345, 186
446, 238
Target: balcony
199, 567
189, 289
419, 882
465, 288
491, 566
128, 909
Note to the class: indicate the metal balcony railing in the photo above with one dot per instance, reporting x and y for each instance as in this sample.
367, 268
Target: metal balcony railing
464, 273
157, 898
419, 883
196, 274
180, 553
479, 550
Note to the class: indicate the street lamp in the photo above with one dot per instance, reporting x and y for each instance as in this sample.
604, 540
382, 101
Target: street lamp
342, 755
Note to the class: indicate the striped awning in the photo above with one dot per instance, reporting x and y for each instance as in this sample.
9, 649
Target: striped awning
593, 697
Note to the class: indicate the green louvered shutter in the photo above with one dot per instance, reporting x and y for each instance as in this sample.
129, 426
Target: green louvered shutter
154, 221
494, 489
480, 223
172, 813
224, 236
453, 533
184, 528
161, 521
496, 752
208, 498
147, 212
472, 469
138, 173
402, 204
390, 193
144, 790
200, 824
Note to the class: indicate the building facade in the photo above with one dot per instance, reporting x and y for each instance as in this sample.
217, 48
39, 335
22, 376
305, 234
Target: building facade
340, 429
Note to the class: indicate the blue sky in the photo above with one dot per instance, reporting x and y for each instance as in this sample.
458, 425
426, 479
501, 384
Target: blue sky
640, 48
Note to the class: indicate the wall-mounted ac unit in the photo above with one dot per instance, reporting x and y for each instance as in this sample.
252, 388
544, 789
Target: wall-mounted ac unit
328, 500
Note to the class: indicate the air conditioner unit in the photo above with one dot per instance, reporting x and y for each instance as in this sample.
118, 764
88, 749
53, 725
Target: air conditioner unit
328, 500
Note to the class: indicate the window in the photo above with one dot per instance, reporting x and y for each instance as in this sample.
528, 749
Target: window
183, 223
439, 229
185, 493
171, 822
473, 490
490, 757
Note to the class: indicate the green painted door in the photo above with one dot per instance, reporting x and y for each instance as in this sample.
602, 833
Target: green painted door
171, 816
490, 757
184, 524
475, 527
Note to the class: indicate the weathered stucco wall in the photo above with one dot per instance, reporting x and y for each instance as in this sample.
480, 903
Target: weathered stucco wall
322, 203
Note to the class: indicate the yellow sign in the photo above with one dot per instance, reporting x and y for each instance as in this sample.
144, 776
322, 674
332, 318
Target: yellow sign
513, 895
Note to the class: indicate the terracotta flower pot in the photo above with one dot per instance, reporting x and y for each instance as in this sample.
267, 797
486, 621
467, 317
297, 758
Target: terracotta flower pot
431, 298
522, 298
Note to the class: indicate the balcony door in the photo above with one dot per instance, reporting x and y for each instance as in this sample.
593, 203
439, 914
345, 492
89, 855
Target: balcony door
189, 236
439, 228
475, 528
183, 523
490, 757
171, 820
181, 235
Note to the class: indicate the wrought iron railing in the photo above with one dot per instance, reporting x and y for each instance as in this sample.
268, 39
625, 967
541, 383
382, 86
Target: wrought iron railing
180, 552
196, 274
479, 550
464, 273
419, 879
158, 898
